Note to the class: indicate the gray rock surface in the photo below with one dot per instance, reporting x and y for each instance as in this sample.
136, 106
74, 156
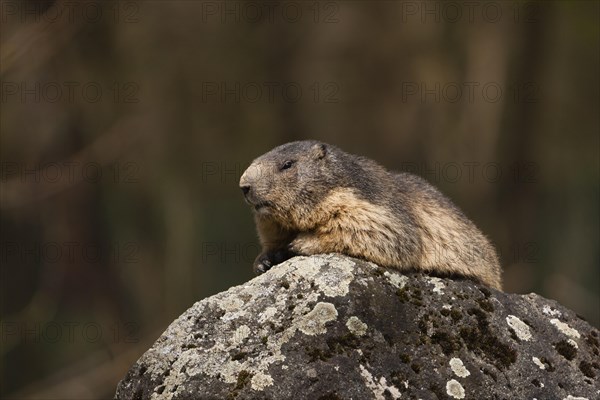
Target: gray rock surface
333, 327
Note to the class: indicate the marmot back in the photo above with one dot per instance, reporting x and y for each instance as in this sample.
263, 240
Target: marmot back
310, 197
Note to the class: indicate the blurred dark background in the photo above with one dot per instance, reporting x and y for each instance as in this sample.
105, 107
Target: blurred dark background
125, 127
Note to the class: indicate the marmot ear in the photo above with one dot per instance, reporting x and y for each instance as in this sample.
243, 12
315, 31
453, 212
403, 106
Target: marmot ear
319, 150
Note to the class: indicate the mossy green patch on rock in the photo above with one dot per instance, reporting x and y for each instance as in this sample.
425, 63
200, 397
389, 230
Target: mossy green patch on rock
343, 344
315, 354
448, 342
587, 369
482, 340
243, 379
403, 295
566, 349
455, 315
415, 367
485, 305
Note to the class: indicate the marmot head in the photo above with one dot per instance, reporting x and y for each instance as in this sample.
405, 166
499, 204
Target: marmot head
286, 183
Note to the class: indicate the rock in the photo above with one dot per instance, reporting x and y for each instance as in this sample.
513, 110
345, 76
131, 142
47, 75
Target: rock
333, 327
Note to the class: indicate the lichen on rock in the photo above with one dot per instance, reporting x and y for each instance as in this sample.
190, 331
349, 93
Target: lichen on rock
334, 327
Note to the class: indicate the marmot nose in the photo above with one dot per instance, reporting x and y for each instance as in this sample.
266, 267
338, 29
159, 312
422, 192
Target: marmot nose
245, 189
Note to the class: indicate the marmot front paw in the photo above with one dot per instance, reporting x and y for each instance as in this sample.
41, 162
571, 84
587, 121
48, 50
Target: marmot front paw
267, 259
263, 263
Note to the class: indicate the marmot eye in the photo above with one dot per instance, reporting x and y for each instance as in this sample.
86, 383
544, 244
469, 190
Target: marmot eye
287, 164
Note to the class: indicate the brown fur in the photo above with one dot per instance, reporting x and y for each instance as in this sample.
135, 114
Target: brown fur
329, 201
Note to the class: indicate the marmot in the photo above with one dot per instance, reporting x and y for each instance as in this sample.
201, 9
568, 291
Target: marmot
310, 197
